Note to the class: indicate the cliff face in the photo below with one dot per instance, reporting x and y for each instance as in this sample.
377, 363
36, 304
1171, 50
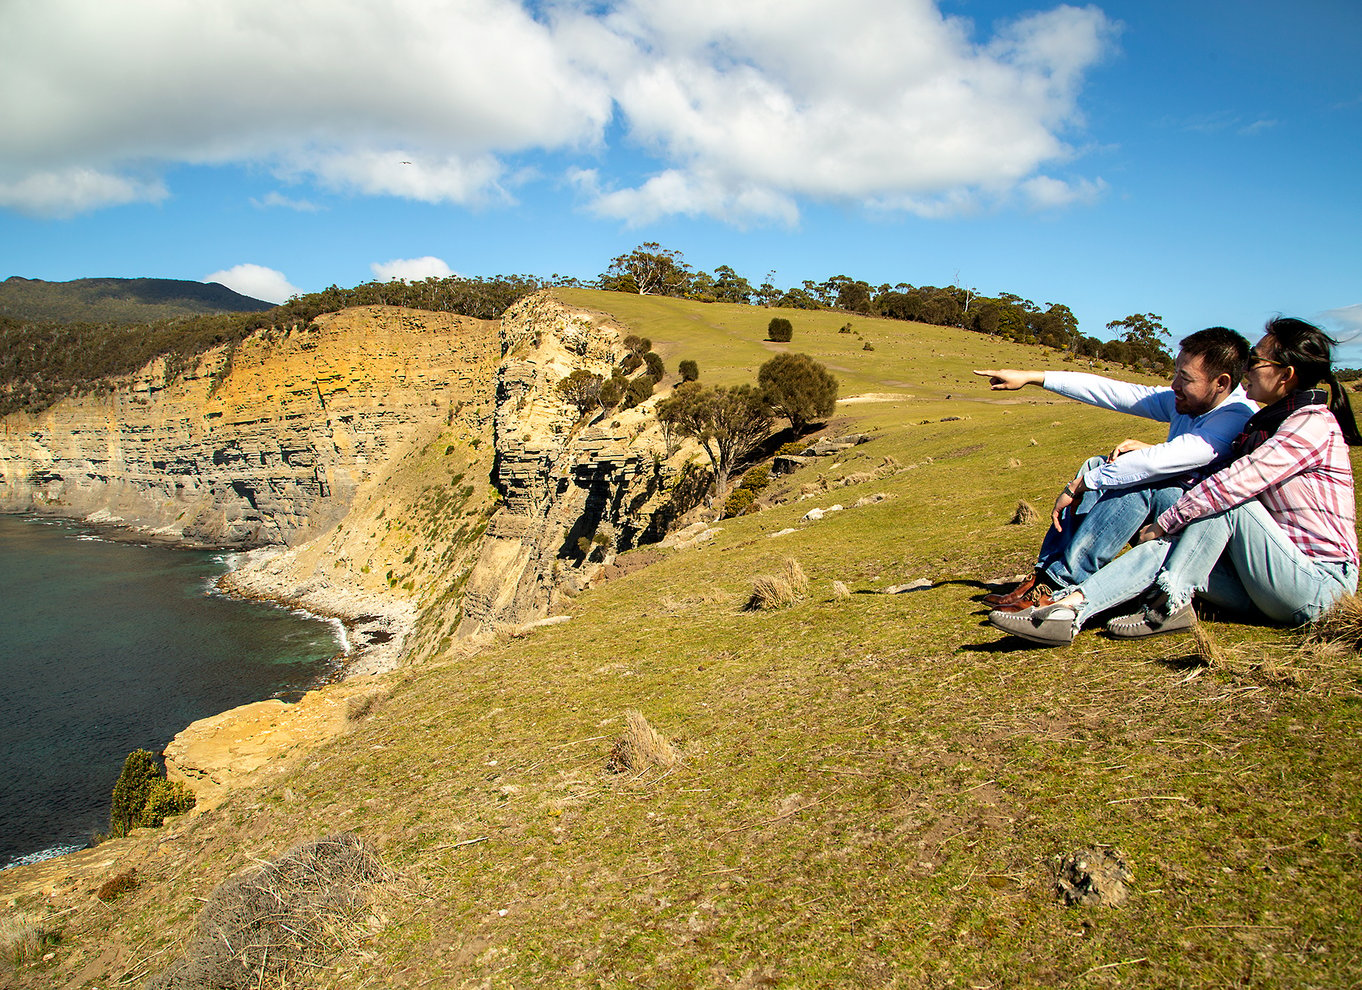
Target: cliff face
605, 479
409, 464
266, 443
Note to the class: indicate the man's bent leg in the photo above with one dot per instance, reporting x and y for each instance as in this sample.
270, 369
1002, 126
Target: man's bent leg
1108, 526
1056, 542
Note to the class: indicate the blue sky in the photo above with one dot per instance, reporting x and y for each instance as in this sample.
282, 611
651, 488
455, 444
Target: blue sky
1195, 159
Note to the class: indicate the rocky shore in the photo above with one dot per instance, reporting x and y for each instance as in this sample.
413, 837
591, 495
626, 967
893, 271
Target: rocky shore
376, 627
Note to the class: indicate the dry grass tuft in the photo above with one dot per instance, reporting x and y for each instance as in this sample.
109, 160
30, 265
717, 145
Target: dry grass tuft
22, 938
1342, 624
640, 747
770, 593
360, 706
1209, 652
780, 590
280, 921
1025, 515
840, 590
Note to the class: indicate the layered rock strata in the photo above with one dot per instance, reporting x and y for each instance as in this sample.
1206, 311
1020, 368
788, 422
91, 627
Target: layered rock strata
262, 443
605, 480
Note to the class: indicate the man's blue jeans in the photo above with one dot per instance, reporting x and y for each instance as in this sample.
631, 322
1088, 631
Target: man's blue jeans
1261, 570
1103, 525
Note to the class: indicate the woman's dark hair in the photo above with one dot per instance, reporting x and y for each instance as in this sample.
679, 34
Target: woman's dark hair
1306, 348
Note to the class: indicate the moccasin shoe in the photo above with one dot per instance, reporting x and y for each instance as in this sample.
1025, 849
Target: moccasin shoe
1052, 625
1151, 622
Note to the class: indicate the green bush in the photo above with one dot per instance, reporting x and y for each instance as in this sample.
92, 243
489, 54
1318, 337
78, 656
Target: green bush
612, 391
638, 390
798, 388
779, 329
690, 371
656, 370
131, 791
143, 798
739, 502
756, 479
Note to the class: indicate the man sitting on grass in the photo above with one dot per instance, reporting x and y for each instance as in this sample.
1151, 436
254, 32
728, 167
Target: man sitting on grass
1111, 497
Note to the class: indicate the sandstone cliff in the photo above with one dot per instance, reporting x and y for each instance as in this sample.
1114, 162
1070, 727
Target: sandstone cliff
412, 468
605, 479
264, 443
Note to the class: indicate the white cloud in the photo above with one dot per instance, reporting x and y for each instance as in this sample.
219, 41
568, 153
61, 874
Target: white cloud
411, 269
74, 189
325, 88
888, 103
746, 108
280, 201
1046, 193
255, 281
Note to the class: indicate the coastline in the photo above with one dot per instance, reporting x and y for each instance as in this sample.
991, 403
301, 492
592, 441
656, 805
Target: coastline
372, 633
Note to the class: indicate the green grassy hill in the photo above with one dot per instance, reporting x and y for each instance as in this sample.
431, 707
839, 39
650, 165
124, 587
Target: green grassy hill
869, 790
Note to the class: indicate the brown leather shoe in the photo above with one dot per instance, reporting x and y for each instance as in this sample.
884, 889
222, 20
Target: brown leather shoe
1017, 594
1039, 598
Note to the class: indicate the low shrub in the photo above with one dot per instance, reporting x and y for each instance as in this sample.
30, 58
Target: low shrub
688, 370
276, 925
656, 370
638, 390
143, 798
756, 479
118, 885
780, 330
739, 502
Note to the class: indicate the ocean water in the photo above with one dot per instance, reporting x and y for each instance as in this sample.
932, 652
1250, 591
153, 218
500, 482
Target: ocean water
107, 647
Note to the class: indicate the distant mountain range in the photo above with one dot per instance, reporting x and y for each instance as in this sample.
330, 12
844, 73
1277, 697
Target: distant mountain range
119, 300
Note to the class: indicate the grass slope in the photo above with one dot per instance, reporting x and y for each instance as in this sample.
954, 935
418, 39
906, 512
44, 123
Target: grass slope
872, 789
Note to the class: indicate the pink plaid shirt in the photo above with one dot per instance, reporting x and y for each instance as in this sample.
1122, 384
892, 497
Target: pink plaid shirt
1302, 476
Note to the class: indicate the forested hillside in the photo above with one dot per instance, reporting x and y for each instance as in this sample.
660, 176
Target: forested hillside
118, 300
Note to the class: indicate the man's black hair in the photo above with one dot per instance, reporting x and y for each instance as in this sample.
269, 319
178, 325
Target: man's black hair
1222, 351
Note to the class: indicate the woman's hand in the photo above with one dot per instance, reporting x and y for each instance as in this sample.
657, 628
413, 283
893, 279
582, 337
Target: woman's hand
1151, 532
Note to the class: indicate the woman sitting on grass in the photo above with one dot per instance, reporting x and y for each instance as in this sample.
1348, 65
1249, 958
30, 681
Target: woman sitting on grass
1273, 532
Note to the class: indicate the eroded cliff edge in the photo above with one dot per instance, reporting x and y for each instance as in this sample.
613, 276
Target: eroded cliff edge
418, 467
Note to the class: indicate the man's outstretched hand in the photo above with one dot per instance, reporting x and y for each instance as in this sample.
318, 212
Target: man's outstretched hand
1009, 379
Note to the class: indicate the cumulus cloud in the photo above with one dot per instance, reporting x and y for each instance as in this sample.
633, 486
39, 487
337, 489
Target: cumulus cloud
763, 103
255, 281
327, 90
1046, 193
745, 109
411, 269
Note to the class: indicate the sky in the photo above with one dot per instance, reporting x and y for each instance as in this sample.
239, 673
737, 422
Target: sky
1195, 159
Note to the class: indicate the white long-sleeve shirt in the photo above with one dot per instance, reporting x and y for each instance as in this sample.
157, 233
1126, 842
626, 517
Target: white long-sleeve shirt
1193, 441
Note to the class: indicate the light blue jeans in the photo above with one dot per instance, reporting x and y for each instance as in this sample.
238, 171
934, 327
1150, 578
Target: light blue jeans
1100, 528
1260, 570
